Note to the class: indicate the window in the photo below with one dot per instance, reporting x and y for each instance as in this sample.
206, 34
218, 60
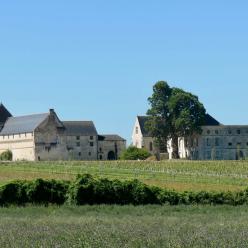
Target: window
229, 131
151, 146
238, 131
78, 144
208, 142
79, 154
91, 143
217, 141
77, 137
216, 132
89, 153
230, 143
100, 149
247, 143
100, 157
137, 130
208, 132
91, 137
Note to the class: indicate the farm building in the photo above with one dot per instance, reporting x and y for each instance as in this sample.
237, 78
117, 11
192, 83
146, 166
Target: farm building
45, 137
217, 141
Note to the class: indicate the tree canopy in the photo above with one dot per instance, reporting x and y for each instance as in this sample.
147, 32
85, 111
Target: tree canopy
173, 113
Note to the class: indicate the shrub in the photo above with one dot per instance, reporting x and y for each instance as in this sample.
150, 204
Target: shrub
13, 193
47, 191
6, 156
134, 153
87, 190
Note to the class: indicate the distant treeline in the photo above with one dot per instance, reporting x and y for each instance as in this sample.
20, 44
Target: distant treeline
89, 190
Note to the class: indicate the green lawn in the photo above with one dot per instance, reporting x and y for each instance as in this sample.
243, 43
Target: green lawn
124, 226
179, 175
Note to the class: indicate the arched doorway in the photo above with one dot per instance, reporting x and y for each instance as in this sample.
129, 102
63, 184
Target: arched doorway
111, 156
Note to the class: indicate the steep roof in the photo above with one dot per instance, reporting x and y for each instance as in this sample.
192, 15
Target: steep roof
142, 121
110, 137
23, 124
209, 121
84, 128
4, 114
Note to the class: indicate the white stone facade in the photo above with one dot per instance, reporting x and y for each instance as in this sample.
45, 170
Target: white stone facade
216, 142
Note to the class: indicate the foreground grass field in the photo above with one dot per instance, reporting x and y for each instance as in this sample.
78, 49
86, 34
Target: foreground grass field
178, 175
124, 226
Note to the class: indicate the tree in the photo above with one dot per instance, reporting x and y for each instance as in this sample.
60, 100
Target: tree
187, 115
134, 153
158, 124
174, 113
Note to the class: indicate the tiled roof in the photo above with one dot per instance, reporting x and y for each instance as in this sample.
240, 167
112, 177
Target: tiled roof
84, 128
210, 121
23, 124
110, 137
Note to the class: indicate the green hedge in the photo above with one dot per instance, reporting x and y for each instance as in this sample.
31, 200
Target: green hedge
89, 190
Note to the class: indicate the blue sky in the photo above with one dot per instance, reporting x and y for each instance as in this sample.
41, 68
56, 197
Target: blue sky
98, 60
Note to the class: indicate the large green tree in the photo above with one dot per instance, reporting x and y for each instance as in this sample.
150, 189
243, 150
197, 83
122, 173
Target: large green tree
173, 113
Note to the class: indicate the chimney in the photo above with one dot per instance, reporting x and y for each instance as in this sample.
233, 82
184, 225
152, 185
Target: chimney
51, 111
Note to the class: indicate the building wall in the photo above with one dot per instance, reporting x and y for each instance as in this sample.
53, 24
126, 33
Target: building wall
21, 145
107, 147
223, 143
82, 147
50, 143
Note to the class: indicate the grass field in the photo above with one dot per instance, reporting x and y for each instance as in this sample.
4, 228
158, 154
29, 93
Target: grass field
178, 175
124, 226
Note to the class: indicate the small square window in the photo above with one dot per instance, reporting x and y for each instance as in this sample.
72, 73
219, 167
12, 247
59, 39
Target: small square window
230, 143
91, 143
91, 137
238, 131
77, 137
208, 132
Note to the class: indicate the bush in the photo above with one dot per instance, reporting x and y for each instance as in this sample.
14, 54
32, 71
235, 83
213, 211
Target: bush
89, 190
13, 193
134, 153
47, 191
6, 156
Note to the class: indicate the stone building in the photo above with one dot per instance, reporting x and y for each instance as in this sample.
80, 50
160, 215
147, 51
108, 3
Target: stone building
217, 141
46, 137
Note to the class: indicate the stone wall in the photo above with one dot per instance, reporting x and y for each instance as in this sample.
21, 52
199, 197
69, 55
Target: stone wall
21, 146
110, 149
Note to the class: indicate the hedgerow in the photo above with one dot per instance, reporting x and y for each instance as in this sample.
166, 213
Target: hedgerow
89, 190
